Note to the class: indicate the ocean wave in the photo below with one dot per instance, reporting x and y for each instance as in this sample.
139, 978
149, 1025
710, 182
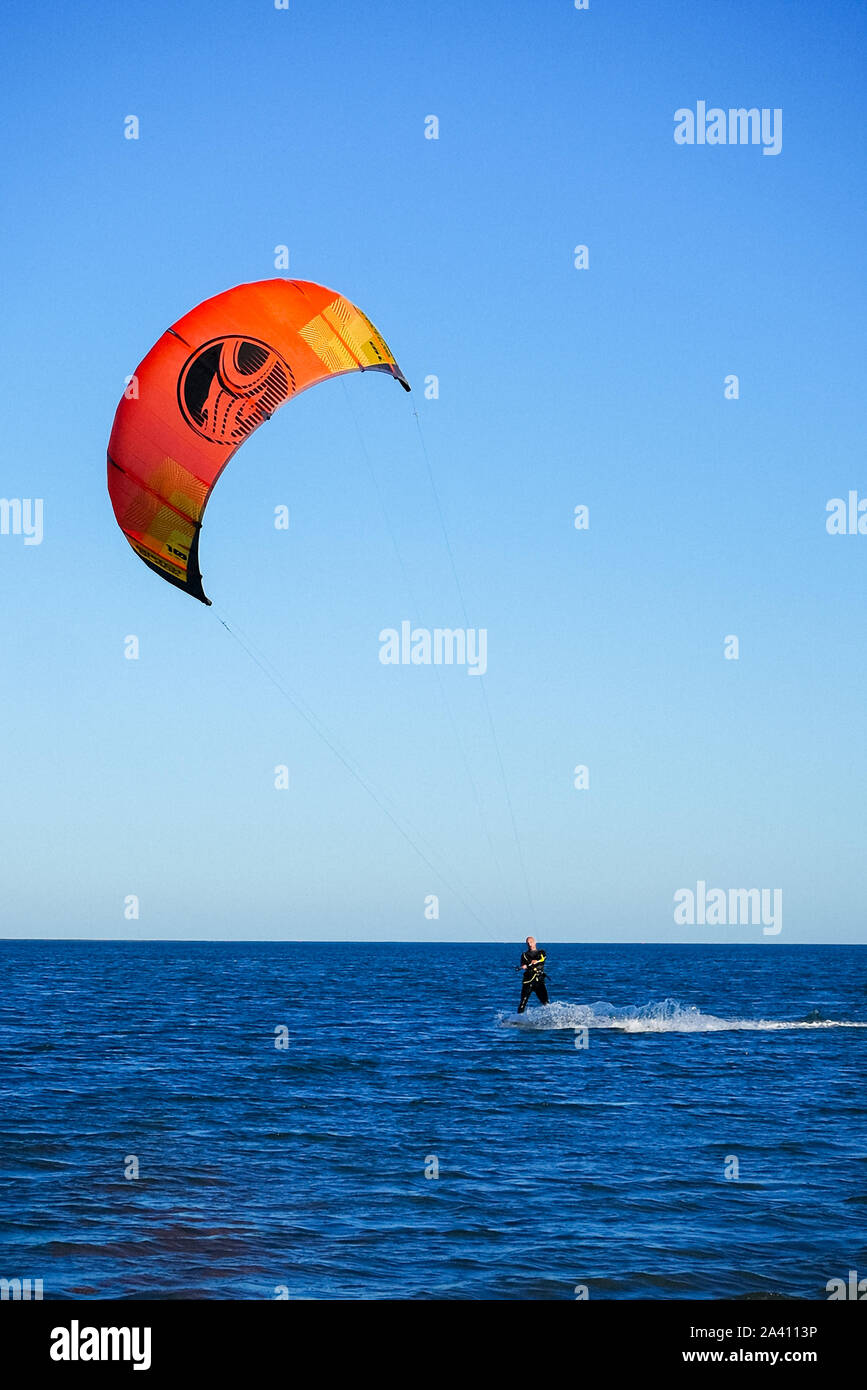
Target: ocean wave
667, 1016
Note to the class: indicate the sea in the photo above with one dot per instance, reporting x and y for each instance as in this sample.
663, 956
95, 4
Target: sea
307, 1120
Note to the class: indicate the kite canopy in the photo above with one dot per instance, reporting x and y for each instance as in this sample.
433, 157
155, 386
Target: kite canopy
212, 379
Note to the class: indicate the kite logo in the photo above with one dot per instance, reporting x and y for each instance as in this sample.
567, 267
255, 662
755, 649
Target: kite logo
230, 385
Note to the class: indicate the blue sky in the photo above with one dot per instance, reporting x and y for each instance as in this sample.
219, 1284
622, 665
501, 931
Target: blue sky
557, 387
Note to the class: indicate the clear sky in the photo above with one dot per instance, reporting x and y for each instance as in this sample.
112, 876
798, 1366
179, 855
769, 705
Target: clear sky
558, 387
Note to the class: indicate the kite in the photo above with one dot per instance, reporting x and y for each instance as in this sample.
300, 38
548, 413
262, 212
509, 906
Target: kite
210, 381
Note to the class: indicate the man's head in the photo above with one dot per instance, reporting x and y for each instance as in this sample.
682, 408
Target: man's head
531, 943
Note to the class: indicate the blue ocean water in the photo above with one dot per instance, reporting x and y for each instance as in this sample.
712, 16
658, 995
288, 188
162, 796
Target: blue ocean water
302, 1169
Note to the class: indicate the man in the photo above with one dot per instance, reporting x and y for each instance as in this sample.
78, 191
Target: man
533, 982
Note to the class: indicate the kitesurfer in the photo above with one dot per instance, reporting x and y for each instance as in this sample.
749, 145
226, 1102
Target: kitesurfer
532, 962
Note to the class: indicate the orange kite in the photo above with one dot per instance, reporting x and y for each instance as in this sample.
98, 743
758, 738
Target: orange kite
212, 379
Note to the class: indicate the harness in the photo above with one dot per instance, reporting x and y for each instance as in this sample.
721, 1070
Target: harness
538, 973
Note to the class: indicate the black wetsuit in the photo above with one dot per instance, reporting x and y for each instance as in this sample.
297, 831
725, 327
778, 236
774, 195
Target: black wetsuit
534, 978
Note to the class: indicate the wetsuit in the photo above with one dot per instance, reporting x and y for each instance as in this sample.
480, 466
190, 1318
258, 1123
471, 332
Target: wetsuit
534, 978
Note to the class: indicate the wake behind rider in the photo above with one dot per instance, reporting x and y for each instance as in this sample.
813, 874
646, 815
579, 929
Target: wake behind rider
532, 964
